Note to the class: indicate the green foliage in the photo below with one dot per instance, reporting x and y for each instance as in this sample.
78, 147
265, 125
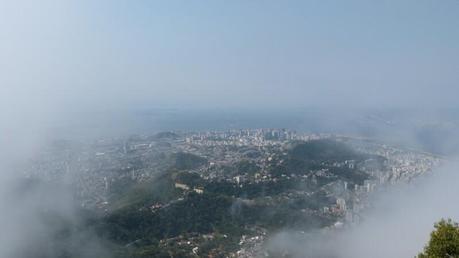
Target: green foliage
225, 210
315, 201
444, 241
321, 154
200, 213
160, 189
185, 161
351, 175
251, 190
323, 150
246, 166
190, 179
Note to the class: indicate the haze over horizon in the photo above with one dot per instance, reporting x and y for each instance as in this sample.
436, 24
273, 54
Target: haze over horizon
85, 70
77, 55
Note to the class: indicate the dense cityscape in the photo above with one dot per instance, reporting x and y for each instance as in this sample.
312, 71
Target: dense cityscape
229, 129
256, 181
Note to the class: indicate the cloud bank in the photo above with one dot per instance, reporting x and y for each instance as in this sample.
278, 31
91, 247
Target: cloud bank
398, 224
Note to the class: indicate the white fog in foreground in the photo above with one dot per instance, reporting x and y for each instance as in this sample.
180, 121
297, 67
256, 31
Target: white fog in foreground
398, 225
59, 58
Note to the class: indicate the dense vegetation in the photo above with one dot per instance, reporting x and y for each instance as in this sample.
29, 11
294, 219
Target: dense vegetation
159, 189
444, 241
225, 208
154, 218
218, 210
247, 167
183, 161
305, 157
324, 150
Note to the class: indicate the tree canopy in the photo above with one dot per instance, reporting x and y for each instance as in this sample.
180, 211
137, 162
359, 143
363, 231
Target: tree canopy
444, 241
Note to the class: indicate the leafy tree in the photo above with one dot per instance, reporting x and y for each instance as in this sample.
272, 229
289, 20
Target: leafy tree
444, 241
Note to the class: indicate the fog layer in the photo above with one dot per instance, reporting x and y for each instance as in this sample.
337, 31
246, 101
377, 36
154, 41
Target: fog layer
398, 224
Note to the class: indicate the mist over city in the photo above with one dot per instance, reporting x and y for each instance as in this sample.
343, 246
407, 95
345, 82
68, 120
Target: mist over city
317, 129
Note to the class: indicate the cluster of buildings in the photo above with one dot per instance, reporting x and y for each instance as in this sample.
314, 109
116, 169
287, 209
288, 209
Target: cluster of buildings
248, 137
96, 169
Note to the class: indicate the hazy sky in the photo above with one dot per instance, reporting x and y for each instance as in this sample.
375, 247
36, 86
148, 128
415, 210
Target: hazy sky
120, 54
60, 57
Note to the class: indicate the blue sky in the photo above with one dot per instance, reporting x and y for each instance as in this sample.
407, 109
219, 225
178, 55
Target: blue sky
231, 53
